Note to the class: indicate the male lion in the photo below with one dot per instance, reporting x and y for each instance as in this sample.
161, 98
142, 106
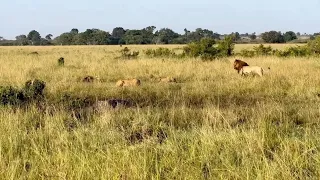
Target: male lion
238, 64
132, 82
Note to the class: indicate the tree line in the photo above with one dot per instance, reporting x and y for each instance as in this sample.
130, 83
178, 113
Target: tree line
148, 35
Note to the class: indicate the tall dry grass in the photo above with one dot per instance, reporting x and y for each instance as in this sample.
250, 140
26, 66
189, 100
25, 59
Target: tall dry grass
212, 124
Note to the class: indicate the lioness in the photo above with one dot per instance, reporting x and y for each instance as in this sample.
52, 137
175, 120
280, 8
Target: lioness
131, 82
168, 79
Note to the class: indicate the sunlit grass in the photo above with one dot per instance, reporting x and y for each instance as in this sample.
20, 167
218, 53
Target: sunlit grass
217, 125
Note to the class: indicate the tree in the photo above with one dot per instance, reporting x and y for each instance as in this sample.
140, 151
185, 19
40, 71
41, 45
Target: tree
48, 37
64, 39
34, 37
226, 46
165, 36
74, 31
133, 37
99, 37
1, 38
45, 42
237, 36
150, 29
22, 40
117, 36
253, 36
272, 37
298, 34
289, 36
118, 32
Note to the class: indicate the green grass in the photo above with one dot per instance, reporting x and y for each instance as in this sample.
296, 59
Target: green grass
212, 124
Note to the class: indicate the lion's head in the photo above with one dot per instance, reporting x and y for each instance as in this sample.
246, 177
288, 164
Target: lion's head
238, 64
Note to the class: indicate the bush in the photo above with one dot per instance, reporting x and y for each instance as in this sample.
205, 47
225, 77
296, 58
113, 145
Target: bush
203, 48
160, 52
247, 53
298, 51
11, 96
261, 50
33, 91
207, 49
314, 45
226, 47
126, 54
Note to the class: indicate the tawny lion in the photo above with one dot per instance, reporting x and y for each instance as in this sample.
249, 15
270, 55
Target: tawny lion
131, 82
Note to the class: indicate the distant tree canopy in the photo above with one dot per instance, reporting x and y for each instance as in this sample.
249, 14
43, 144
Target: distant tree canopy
289, 36
147, 35
273, 37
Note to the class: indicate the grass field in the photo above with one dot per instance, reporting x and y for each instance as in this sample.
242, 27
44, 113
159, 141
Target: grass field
212, 124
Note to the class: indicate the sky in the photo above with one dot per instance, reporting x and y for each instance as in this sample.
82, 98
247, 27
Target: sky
223, 16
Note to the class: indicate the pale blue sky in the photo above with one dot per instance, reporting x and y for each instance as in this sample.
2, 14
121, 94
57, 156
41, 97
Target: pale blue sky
223, 16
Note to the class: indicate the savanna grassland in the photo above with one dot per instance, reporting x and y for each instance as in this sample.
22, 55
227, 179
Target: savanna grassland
211, 124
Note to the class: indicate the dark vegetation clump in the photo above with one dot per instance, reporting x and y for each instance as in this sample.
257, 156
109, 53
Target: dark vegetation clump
127, 54
311, 49
88, 79
160, 53
140, 135
79, 107
61, 61
32, 91
120, 102
11, 96
209, 49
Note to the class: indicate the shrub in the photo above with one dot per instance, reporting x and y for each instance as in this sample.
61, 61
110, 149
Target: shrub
11, 96
208, 49
127, 54
314, 45
34, 89
160, 52
298, 51
226, 47
247, 53
203, 48
261, 50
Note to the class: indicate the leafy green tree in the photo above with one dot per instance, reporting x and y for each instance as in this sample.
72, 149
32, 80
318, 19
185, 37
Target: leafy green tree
226, 46
272, 37
64, 39
49, 37
22, 40
45, 42
236, 36
74, 31
165, 36
314, 45
253, 36
289, 36
99, 37
118, 32
298, 34
133, 37
34, 37
117, 36
143, 36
